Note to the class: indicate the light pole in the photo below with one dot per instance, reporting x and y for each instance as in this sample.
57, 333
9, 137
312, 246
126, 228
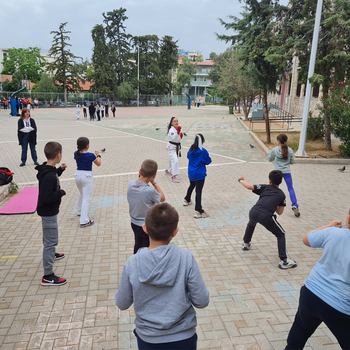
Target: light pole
138, 76
301, 151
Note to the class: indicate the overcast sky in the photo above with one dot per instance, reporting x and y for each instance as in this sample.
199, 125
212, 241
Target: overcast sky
25, 23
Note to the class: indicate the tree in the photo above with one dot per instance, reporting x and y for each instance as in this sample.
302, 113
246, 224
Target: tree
103, 76
64, 68
13, 85
46, 84
185, 73
27, 62
126, 91
119, 44
253, 37
294, 37
212, 56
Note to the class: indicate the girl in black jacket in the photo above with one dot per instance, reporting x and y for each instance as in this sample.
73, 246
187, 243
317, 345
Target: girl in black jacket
27, 134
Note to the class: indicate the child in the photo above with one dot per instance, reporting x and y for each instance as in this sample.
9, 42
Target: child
282, 157
84, 178
141, 196
49, 201
173, 148
198, 158
325, 297
78, 111
271, 200
164, 283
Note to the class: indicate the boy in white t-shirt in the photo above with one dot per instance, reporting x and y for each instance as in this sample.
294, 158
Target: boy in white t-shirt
325, 297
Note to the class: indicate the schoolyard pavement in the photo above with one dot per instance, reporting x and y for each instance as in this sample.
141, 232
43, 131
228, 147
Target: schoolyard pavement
253, 303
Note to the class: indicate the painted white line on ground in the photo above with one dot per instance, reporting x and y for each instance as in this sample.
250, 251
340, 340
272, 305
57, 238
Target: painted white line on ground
123, 174
149, 138
74, 138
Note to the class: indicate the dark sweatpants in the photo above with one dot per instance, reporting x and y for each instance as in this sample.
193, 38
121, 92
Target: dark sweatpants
271, 224
199, 188
311, 313
186, 344
141, 237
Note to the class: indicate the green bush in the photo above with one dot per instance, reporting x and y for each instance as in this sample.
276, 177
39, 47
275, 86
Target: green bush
315, 128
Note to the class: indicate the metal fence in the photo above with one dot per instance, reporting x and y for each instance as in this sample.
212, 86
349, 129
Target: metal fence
56, 100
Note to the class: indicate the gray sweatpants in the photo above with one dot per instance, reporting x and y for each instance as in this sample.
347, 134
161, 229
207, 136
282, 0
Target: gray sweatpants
50, 240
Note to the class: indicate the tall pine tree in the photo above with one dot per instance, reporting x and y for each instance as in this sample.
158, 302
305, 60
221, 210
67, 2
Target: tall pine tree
63, 68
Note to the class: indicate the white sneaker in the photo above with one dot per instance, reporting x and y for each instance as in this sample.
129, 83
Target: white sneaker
288, 264
174, 179
245, 246
198, 215
185, 204
296, 211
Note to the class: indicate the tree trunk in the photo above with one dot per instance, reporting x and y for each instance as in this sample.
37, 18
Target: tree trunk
327, 133
239, 106
245, 109
266, 115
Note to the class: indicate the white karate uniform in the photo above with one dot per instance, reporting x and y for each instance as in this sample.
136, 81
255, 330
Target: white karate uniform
84, 180
173, 165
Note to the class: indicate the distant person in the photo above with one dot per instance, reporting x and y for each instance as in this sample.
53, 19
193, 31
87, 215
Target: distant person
271, 200
77, 113
49, 200
141, 196
102, 110
24, 103
98, 106
165, 284
282, 157
30, 101
4, 102
84, 109
198, 158
325, 296
106, 110
113, 109
84, 178
26, 133
92, 111
36, 103
171, 102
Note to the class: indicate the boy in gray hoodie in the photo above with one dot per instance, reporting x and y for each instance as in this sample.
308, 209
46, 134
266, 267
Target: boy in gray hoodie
164, 283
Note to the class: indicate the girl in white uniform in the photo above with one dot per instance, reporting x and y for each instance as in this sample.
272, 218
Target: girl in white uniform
173, 149
78, 111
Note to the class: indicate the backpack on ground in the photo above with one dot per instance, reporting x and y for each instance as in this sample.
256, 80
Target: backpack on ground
6, 176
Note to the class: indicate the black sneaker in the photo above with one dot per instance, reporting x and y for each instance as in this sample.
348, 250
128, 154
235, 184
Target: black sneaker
59, 256
36, 163
22, 164
52, 280
90, 223
245, 246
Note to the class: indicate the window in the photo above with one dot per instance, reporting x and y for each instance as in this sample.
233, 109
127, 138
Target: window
298, 90
316, 91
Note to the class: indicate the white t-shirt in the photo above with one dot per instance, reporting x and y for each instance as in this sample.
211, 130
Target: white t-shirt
78, 107
173, 136
27, 127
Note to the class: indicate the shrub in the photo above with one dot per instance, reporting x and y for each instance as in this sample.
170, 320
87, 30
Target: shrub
315, 128
13, 187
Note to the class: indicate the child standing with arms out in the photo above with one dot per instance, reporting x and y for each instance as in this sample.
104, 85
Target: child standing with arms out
271, 200
198, 158
282, 157
77, 113
141, 196
50, 194
84, 178
164, 283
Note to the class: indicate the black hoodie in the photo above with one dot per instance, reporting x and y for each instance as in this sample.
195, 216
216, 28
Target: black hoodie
50, 192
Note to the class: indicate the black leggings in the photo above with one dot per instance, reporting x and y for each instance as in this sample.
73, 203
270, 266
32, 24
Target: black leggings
271, 224
199, 187
141, 237
311, 313
85, 114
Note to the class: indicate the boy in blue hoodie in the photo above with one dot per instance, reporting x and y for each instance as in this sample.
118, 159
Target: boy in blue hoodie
164, 283
198, 158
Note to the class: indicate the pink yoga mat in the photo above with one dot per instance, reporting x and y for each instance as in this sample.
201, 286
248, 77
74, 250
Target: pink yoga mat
24, 202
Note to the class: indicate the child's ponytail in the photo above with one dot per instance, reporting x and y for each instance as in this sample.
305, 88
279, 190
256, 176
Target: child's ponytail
82, 143
283, 138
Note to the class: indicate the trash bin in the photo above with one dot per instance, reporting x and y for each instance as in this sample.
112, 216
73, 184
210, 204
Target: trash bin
230, 109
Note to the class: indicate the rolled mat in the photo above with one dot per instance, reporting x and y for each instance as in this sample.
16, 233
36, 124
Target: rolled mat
25, 202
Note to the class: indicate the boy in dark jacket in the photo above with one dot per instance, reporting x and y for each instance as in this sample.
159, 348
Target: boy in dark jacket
49, 201
271, 200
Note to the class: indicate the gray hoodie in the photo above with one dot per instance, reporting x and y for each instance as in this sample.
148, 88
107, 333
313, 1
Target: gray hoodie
164, 284
275, 156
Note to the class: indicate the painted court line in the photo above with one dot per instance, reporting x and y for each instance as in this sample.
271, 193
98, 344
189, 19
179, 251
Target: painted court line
149, 138
9, 257
124, 174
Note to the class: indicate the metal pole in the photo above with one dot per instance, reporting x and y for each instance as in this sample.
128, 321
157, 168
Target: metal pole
138, 76
301, 151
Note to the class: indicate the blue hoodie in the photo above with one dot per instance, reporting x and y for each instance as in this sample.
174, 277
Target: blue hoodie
197, 160
164, 284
